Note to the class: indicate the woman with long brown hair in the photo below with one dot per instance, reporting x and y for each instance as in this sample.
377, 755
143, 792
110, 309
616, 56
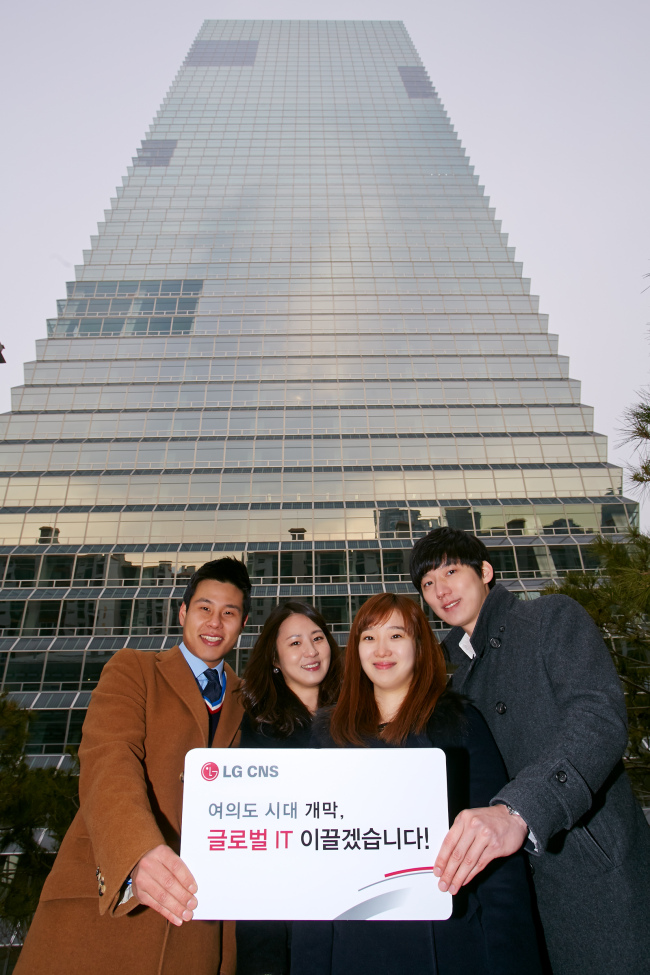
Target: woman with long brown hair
294, 668
393, 694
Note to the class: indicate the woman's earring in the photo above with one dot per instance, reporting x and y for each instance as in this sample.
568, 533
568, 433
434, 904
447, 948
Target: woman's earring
276, 670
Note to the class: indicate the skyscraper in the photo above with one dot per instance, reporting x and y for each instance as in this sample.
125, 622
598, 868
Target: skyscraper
300, 337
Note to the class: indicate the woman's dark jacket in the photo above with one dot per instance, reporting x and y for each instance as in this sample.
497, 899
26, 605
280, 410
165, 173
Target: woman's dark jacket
491, 931
263, 946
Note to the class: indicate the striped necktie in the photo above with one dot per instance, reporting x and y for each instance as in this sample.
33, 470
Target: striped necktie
213, 691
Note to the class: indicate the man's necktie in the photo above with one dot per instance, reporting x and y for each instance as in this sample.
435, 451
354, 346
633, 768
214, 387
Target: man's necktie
212, 692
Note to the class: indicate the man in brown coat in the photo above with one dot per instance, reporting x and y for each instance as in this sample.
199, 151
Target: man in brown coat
119, 897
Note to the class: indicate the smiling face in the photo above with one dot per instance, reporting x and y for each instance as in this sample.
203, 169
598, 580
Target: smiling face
387, 655
455, 593
302, 654
213, 621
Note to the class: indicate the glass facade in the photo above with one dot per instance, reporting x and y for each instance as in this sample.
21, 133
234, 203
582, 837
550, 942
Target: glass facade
301, 337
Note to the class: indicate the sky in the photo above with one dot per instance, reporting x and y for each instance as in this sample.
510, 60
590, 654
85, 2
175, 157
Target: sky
550, 101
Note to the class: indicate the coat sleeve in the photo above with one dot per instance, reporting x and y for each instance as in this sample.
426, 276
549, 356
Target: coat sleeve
590, 735
502, 889
113, 790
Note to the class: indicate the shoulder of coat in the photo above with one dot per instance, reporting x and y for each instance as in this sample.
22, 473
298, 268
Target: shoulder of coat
547, 608
130, 654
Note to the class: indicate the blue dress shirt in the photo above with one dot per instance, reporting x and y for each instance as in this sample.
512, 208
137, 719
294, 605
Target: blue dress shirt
198, 667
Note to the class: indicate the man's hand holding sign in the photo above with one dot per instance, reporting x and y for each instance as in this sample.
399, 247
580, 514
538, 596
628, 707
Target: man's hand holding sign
162, 881
476, 838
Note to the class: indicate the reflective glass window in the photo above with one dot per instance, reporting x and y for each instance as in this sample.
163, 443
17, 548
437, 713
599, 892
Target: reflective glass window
263, 567
41, 617
149, 616
24, 671
22, 570
93, 666
566, 558
47, 729
77, 617
63, 670
89, 570
365, 565
334, 609
56, 570
296, 567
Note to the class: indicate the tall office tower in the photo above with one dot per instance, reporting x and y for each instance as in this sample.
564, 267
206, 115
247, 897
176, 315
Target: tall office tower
300, 337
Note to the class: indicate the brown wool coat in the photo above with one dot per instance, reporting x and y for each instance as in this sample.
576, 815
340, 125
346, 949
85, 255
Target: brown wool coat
145, 714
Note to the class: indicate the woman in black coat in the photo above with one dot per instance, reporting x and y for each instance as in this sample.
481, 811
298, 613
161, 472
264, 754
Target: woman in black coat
393, 693
295, 668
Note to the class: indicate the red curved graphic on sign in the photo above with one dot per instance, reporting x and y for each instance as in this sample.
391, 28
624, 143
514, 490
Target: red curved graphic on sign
396, 873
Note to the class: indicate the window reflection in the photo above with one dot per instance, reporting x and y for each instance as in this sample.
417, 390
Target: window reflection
77, 617
149, 616
22, 570
63, 670
41, 617
24, 671
56, 570
365, 565
89, 570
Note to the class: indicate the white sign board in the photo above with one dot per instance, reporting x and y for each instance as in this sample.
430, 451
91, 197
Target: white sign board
320, 834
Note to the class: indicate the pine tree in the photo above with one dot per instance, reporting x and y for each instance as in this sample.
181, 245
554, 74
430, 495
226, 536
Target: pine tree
36, 807
617, 597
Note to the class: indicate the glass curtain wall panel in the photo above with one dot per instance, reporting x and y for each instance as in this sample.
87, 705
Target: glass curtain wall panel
300, 337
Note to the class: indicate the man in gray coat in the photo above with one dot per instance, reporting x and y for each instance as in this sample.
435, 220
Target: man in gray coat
544, 681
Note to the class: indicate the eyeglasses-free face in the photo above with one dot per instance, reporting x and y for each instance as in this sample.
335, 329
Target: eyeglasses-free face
302, 653
456, 593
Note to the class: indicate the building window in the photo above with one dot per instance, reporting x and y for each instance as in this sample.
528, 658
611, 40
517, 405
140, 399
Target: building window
222, 54
416, 81
155, 152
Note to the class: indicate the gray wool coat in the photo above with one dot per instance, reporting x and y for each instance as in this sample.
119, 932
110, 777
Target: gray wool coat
545, 683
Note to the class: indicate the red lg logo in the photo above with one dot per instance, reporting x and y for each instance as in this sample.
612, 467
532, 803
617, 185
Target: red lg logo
210, 771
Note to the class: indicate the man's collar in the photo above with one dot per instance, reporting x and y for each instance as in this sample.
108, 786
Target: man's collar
198, 666
466, 646
497, 602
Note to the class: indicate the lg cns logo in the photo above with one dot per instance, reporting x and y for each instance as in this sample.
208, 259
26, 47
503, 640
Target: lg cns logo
210, 771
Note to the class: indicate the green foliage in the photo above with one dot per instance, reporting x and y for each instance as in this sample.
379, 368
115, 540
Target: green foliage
636, 430
31, 800
617, 597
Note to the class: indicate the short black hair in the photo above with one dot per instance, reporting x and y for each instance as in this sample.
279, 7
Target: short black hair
222, 570
447, 545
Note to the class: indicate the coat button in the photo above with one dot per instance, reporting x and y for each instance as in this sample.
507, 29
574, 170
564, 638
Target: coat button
561, 776
532, 870
181, 777
501, 629
495, 642
501, 707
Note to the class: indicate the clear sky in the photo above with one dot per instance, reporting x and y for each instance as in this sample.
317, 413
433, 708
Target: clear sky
549, 99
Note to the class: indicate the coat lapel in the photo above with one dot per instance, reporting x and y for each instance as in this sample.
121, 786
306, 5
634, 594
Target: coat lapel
231, 713
498, 602
174, 669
